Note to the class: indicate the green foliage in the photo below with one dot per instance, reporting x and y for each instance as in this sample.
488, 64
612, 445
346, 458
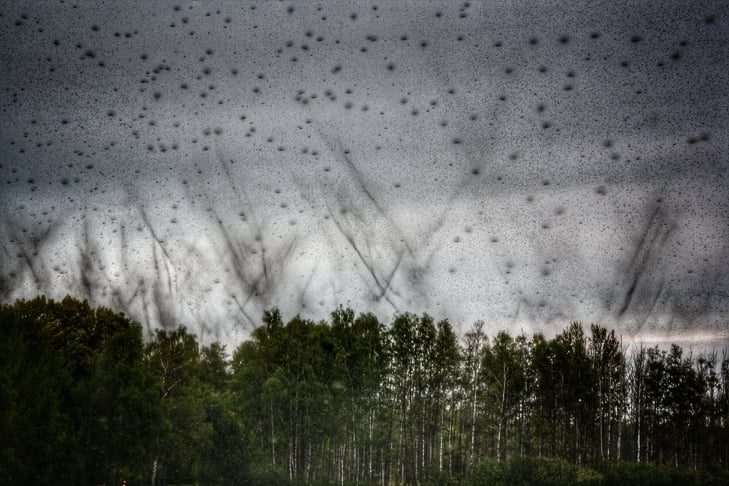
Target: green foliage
489, 471
537, 471
76, 395
120, 406
349, 401
32, 377
630, 473
548, 472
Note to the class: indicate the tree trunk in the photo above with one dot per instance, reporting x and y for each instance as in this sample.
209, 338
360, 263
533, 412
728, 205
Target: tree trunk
154, 471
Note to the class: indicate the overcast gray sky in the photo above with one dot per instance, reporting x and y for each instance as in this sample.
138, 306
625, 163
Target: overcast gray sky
524, 163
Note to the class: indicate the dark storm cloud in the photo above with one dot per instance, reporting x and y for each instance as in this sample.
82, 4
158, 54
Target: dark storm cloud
197, 162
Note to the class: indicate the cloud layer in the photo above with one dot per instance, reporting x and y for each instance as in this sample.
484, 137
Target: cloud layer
198, 162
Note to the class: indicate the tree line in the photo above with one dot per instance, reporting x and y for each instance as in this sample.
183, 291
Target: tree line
84, 397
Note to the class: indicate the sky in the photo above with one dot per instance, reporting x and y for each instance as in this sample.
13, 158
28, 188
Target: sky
523, 163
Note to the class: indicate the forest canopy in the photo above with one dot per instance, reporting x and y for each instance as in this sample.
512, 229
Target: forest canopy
84, 397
